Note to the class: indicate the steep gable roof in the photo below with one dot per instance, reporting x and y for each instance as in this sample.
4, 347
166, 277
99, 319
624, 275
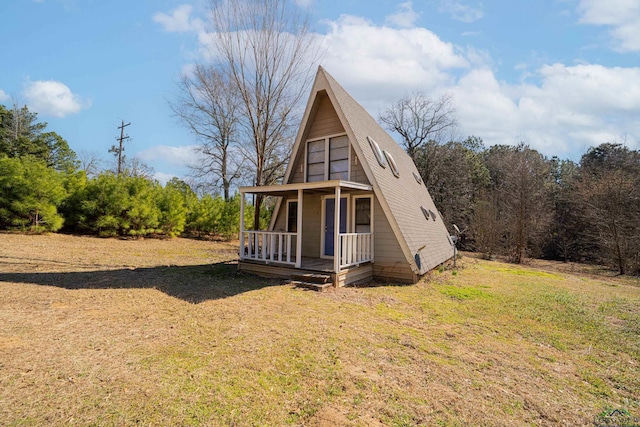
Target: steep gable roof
405, 201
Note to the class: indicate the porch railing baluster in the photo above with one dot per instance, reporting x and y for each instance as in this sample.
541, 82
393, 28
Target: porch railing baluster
355, 248
268, 246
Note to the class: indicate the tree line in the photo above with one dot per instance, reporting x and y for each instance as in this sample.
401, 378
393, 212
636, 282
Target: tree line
42, 188
515, 202
241, 106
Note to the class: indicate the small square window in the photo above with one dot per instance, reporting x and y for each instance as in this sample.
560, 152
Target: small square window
392, 165
377, 152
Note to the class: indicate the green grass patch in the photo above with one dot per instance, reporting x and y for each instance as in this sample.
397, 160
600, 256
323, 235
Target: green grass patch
197, 344
502, 268
463, 293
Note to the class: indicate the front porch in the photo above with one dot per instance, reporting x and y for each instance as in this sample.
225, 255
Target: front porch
307, 239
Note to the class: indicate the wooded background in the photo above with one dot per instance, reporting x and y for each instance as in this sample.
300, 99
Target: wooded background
241, 108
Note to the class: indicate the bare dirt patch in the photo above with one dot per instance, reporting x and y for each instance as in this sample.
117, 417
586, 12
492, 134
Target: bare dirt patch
166, 332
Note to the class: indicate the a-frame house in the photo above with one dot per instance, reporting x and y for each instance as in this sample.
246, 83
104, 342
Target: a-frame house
352, 206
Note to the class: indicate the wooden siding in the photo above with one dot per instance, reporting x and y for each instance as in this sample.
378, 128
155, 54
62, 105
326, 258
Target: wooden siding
389, 261
281, 220
325, 122
297, 174
357, 172
354, 275
398, 272
386, 246
311, 223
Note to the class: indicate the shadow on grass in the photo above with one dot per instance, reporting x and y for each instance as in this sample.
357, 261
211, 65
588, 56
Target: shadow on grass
193, 283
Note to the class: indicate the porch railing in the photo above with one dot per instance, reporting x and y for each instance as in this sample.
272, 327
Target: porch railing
273, 246
355, 248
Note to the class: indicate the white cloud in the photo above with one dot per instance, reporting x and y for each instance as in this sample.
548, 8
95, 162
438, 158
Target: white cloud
622, 16
405, 17
304, 3
379, 62
461, 12
572, 108
163, 177
566, 110
3, 96
556, 108
170, 155
53, 98
179, 20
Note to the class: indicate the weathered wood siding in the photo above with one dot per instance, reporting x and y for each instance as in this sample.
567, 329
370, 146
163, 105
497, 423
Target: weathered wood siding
357, 172
311, 224
326, 121
354, 275
281, 219
297, 173
389, 263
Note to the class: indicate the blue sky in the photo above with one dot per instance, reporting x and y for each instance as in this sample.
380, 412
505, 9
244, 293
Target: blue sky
560, 75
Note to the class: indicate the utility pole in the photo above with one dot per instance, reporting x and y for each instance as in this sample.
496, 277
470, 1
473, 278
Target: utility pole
120, 148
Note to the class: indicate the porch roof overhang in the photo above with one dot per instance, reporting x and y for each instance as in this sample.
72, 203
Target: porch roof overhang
320, 186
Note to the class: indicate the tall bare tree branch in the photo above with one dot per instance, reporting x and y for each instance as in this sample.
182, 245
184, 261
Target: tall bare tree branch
210, 108
266, 51
419, 119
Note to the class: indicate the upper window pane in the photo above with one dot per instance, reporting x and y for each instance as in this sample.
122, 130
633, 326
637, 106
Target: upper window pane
315, 161
339, 158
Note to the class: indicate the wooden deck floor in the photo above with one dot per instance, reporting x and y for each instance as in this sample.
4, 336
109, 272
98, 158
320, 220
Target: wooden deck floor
317, 264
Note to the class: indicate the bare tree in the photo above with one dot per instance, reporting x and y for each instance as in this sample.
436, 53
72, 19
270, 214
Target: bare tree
421, 120
487, 224
607, 192
456, 181
90, 163
210, 107
520, 193
265, 50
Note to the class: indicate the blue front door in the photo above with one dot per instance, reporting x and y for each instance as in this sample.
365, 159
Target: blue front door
329, 223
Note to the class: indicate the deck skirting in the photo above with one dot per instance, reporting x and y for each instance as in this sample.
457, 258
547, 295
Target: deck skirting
348, 276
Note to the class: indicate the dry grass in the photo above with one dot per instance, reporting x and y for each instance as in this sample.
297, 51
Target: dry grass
165, 332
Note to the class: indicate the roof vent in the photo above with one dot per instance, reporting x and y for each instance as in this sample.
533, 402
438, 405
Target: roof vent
392, 165
417, 177
425, 212
377, 152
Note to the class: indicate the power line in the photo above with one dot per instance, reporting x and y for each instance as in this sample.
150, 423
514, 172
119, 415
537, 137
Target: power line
120, 148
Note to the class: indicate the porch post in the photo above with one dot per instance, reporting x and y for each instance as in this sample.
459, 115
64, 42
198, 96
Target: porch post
241, 225
336, 233
299, 231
